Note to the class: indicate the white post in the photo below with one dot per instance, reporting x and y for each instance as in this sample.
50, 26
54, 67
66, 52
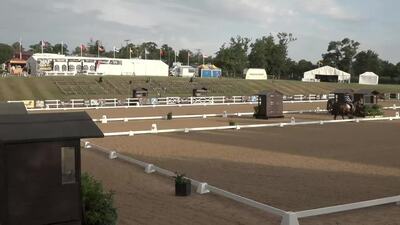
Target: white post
290, 219
149, 169
104, 119
113, 155
202, 188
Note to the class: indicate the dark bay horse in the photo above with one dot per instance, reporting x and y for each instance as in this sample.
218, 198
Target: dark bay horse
342, 109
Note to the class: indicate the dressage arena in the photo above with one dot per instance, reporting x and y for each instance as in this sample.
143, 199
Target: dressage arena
291, 168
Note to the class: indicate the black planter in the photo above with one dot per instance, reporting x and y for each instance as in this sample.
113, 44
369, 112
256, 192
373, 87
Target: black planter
183, 189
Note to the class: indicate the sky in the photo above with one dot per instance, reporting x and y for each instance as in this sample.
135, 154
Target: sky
206, 24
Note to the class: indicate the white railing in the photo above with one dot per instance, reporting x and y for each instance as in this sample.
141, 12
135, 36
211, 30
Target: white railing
293, 122
105, 119
287, 217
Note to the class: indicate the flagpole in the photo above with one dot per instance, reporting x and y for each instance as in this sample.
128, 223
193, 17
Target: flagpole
175, 56
114, 51
188, 59
203, 59
145, 54
160, 54
41, 44
130, 53
20, 48
81, 50
98, 52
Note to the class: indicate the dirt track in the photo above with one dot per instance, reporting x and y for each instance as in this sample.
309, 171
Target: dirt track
293, 168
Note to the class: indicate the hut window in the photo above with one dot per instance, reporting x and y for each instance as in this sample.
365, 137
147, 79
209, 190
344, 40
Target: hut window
68, 165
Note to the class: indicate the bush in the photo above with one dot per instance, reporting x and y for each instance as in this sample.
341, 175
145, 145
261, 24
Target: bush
180, 178
374, 110
97, 203
232, 123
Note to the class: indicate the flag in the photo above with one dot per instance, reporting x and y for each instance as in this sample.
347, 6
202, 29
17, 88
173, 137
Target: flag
43, 43
161, 52
100, 48
205, 56
115, 49
130, 50
146, 52
83, 48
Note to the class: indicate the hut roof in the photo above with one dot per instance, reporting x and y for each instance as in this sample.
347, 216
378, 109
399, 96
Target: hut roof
13, 109
367, 92
47, 127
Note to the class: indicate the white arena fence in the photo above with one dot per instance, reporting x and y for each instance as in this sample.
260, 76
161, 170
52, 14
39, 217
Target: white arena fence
293, 122
288, 217
78, 104
106, 119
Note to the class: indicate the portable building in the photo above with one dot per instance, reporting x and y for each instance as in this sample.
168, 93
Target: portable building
209, 71
255, 74
369, 78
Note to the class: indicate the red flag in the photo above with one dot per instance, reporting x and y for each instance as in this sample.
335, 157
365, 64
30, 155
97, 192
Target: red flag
83, 48
100, 48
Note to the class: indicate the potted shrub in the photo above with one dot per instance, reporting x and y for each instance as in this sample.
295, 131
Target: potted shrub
372, 111
183, 186
169, 116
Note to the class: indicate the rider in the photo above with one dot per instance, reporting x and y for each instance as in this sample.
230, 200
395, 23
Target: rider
349, 101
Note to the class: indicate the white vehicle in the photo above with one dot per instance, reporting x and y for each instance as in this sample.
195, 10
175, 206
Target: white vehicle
178, 70
255, 74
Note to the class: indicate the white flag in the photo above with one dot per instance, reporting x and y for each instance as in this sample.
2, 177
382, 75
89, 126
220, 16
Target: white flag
116, 49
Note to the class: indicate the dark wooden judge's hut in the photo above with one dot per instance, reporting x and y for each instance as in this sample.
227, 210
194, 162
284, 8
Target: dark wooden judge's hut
366, 97
40, 166
200, 92
270, 105
140, 93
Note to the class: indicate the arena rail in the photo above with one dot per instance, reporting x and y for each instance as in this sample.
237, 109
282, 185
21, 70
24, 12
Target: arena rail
288, 217
106, 119
201, 187
82, 104
293, 122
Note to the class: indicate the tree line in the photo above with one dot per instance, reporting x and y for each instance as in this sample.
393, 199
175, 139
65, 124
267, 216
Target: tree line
269, 52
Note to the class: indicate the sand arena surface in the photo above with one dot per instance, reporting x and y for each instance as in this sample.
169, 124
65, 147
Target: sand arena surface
293, 168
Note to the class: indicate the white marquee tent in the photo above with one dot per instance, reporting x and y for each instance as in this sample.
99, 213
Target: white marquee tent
369, 78
61, 65
326, 74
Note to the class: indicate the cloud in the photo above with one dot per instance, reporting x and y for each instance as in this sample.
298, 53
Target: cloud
205, 24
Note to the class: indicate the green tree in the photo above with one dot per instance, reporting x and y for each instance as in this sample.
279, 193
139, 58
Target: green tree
271, 55
233, 58
297, 69
389, 71
366, 61
37, 48
341, 54
16, 46
183, 56
98, 204
57, 49
168, 54
6, 53
94, 47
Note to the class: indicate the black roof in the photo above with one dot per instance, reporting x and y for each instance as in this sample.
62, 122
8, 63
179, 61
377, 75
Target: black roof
367, 92
13, 109
47, 127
